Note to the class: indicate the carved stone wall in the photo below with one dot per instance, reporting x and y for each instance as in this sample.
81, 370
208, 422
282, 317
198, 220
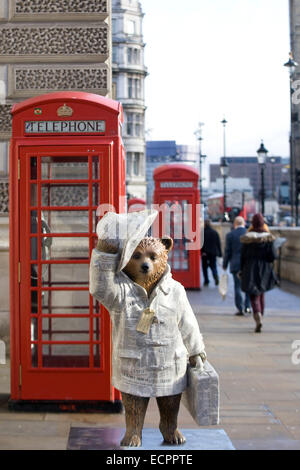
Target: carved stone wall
4, 196
20, 43
60, 6
52, 45
45, 9
5, 121
25, 81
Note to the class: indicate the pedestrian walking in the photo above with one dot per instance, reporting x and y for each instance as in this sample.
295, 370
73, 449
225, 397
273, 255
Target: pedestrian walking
257, 275
232, 256
211, 249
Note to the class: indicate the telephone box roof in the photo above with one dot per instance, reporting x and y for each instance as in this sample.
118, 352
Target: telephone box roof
70, 96
185, 169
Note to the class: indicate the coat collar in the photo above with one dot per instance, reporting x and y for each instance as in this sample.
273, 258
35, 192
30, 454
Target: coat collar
164, 283
256, 237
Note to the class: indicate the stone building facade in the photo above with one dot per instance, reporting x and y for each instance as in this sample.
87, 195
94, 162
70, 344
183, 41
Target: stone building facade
129, 73
47, 46
294, 11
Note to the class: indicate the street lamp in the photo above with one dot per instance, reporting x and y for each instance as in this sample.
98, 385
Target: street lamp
262, 157
291, 65
198, 134
224, 122
273, 161
224, 169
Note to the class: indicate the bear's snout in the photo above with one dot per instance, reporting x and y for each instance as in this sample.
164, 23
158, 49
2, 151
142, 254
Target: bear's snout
145, 267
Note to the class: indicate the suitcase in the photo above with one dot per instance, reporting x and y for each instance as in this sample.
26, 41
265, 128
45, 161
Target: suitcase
202, 395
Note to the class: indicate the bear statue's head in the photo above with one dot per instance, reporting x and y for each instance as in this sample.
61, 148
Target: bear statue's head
148, 262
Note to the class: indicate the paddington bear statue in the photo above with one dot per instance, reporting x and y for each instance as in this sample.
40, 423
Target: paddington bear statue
154, 330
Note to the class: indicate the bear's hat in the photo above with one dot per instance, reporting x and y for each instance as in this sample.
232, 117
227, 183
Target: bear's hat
129, 229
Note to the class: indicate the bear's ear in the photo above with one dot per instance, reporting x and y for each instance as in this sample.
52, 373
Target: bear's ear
167, 242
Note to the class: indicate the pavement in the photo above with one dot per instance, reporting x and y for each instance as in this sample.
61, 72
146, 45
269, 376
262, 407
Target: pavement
259, 382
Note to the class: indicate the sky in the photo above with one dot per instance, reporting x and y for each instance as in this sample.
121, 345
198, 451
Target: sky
210, 59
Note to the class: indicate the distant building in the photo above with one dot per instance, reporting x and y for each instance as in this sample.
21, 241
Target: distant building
160, 152
129, 73
247, 167
232, 184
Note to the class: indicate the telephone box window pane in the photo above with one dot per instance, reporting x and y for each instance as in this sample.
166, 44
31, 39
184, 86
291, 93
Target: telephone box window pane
67, 221
64, 168
33, 195
34, 329
65, 329
65, 195
97, 353
67, 248
96, 168
65, 301
33, 168
34, 355
59, 275
97, 328
66, 355
96, 194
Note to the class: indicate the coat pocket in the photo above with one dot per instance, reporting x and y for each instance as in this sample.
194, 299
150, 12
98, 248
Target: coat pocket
180, 358
129, 354
168, 320
129, 362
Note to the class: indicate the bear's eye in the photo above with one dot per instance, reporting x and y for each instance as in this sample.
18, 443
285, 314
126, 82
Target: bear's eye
153, 257
136, 255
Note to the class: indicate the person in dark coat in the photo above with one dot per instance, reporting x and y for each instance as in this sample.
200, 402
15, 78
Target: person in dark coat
257, 275
210, 250
232, 256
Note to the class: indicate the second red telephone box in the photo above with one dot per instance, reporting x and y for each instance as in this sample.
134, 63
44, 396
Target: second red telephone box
177, 198
66, 159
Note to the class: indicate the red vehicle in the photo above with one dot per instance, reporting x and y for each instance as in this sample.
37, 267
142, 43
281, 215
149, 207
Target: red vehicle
136, 204
66, 158
215, 207
178, 200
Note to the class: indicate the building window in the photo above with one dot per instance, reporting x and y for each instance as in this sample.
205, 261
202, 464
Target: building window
131, 27
133, 56
115, 54
128, 163
133, 163
136, 164
134, 124
114, 25
134, 88
114, 90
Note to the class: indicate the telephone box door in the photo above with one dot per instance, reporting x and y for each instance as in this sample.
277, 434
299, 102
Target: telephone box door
65, 333
184, 263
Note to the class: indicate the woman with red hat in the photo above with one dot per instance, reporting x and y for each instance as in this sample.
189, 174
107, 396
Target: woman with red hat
257, 275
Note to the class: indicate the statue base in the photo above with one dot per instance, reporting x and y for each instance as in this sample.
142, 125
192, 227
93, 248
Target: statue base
109, 439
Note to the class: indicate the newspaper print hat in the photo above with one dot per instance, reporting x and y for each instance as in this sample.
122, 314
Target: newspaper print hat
127, 230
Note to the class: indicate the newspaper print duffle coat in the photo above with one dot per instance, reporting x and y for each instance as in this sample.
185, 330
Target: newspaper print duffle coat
152, 364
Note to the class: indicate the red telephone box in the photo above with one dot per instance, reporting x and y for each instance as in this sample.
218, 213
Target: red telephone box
66, 158
177, 196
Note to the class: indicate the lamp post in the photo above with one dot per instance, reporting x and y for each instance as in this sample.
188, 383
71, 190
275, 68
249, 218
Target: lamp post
224, 169
198, 134
273, 161
261, 157
291, 64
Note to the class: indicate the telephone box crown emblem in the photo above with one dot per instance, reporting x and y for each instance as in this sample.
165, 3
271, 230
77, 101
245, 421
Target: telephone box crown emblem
64, 111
